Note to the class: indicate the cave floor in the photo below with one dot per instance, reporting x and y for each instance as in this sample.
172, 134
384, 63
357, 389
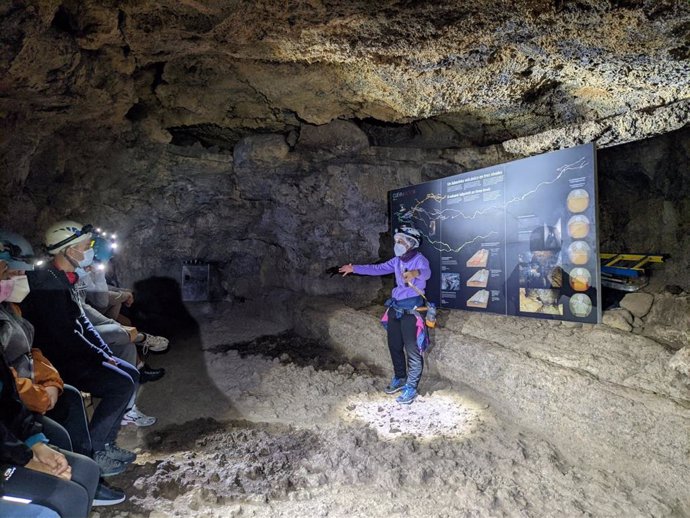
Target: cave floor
283, 426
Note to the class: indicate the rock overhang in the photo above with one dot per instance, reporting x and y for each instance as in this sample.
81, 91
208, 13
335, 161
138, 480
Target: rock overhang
218, 71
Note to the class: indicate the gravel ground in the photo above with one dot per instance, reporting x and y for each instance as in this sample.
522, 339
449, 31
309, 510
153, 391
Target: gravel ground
303, 432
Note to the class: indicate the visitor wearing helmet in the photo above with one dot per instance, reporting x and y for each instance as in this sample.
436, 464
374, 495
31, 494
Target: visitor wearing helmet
17, 252
38, 383
101, 304
108, 300
404, 325
103, 249
65, 335
16, 255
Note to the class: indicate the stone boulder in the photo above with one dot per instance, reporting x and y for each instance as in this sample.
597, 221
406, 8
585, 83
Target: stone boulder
669, 319
260, 148
638, 304
619, 319
338, 137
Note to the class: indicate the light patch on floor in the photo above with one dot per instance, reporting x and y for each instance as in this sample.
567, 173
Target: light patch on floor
442, 414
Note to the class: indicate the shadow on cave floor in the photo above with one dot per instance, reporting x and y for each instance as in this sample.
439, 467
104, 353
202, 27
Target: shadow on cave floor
186, 392
289, 347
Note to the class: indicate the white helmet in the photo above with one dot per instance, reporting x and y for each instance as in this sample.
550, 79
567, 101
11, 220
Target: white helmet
65, 233
409, 234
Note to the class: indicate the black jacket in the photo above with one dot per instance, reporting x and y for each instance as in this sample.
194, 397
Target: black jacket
62, 331
16, 422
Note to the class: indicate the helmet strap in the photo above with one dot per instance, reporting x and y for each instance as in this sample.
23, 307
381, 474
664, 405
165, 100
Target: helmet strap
75, 264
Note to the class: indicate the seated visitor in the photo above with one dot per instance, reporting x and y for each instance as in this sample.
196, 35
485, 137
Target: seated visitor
67, 338
119, 339
106, 298
60, 480
38, 383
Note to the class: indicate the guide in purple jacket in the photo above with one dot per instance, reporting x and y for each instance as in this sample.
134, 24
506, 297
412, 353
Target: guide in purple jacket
411, 271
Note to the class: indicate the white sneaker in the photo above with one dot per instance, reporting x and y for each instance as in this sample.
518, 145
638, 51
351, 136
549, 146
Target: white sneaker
157, 344
134, 416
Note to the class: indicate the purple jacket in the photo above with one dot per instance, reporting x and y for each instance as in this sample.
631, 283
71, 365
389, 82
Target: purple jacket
397, 266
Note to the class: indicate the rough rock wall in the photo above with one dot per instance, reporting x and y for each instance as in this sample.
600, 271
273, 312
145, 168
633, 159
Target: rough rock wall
214, 71
268, 215
275, 212
133, 115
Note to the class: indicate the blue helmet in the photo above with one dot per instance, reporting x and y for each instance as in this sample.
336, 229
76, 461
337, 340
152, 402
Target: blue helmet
16, 251
103, 249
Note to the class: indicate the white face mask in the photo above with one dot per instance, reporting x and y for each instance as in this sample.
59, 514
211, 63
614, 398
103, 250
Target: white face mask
20, 289
88, 258
399, 249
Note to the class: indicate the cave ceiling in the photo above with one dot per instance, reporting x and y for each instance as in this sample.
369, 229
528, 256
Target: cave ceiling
215, 71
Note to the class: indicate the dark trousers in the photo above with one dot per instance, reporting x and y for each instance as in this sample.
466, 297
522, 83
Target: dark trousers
69, 411
56, 433
114, 385
402, 338
69, 498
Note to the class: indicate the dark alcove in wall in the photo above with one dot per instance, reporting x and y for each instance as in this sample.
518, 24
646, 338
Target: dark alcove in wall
644, 200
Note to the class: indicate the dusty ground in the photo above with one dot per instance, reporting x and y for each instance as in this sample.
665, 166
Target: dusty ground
282, 426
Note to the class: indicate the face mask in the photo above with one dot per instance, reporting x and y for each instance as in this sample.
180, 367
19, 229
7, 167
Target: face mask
81, 273
6, 288
20, 289
399, 249
88, 258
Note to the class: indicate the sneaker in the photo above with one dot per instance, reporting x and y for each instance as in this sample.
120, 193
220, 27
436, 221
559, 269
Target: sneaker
115, 452
136, 417
156, 344
148, 373
106, 495
407, 396
109, 466
395, 385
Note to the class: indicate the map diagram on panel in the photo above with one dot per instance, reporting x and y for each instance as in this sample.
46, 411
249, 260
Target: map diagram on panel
518, 238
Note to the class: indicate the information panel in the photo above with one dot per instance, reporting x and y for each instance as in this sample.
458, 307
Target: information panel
517, 239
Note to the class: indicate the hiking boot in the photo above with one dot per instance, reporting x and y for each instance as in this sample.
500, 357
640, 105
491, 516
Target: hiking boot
109, 466
148, 373
155, 344
407, 396
106, 495
395, 385
115, 452
136, 417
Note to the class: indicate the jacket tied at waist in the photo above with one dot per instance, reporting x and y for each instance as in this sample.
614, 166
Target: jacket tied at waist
408, 307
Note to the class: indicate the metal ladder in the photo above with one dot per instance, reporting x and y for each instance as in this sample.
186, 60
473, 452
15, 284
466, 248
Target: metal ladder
627, 272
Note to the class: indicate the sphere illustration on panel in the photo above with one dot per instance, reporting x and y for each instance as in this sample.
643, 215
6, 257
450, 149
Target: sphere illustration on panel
578, 200
578, 226
580, 279
579, 252
580, 305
